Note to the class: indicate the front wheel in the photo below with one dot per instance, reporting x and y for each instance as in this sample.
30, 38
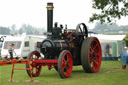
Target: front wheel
65, 64
35, 68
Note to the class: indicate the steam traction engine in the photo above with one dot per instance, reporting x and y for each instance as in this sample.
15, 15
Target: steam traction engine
65, 48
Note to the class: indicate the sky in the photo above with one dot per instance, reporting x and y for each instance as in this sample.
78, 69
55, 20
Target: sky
34, 12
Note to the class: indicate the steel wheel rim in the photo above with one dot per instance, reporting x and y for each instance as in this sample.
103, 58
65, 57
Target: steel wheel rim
35, 68
66, 64
95, 55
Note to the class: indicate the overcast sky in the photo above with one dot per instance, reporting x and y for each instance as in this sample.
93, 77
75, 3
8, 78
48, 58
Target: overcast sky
70, 12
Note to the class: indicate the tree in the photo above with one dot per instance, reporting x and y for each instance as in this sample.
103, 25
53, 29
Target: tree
101, 28
29, 29
26, 29
21, 30
13, 29
4, 31
110, 10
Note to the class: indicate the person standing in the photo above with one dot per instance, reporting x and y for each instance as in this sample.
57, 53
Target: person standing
124, 55
11, 50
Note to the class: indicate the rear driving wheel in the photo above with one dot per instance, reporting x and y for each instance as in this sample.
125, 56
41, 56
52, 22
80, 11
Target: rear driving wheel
65, 64
91, 55
35, 68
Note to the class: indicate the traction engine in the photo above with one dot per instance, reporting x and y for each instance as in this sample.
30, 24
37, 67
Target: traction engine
64, 48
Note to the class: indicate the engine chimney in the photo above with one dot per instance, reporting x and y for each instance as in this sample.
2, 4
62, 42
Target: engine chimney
49, 17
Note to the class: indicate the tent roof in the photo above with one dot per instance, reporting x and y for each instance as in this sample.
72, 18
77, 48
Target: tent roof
108, 37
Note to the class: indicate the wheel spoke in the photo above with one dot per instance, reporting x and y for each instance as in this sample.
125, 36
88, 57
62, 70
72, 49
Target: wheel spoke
91, 50
95, 46
90, 59
93, 68
96, 62
67, 59
63, 64
80, 29
37, 69
97, 54
67, 67
63, 69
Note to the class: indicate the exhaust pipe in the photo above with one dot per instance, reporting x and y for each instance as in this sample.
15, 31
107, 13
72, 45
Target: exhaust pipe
49, 17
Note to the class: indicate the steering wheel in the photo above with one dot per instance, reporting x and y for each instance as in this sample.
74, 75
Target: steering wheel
82, 28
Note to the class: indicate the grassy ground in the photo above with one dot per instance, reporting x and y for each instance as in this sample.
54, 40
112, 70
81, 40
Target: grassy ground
109, 74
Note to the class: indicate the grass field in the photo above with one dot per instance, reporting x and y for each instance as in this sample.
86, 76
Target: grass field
109, 74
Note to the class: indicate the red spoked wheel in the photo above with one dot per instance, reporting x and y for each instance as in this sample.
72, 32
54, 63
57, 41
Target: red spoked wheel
91, 55
35, 68
65, 64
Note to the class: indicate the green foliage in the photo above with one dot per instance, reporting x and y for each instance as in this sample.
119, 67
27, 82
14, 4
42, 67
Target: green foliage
110, 10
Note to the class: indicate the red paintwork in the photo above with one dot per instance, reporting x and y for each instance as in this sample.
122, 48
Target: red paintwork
46, 61
13, 62
67, 64
35, 68
95, 49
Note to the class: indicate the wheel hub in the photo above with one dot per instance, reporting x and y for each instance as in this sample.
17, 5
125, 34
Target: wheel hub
94, 55
34, 64
67, 64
